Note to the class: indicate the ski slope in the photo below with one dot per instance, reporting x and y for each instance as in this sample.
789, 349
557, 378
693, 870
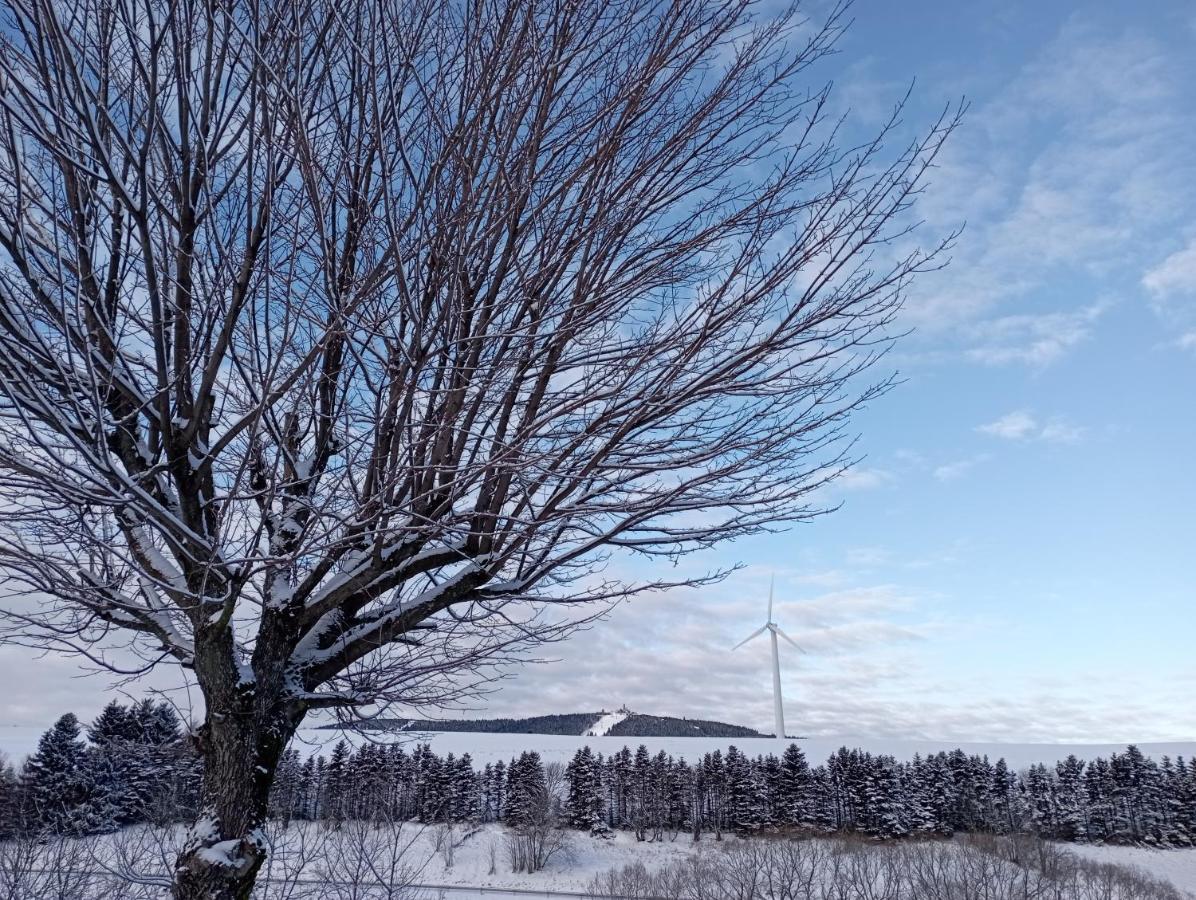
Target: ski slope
605, 723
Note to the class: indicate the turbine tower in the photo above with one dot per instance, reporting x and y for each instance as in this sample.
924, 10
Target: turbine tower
773, 631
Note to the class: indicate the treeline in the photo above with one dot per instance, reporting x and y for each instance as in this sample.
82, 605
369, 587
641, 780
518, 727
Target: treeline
133, 767
1127, 798
385, 782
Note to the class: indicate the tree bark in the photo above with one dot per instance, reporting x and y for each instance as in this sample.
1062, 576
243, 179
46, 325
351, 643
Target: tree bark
222, 856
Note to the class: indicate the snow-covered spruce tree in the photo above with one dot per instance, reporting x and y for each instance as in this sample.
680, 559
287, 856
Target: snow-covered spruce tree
341, 345
743, 806
10, 800
794, 800
138, 761
58, 789
525, 790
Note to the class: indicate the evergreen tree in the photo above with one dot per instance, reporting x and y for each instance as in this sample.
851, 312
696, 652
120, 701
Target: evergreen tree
1071, 807
1006, 803
499, 791
1039, 789
742, 798
335, 783
463, 803
583, 806
284, 793
114, 724
884, 798
526, 789
10, 801
57, 785
794, 795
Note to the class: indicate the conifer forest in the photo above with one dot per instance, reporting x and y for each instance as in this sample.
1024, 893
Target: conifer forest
133, 764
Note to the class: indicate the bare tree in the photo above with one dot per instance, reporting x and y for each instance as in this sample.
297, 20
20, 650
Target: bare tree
342, 344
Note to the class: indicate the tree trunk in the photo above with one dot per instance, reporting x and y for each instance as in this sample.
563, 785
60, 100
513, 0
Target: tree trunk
224, 851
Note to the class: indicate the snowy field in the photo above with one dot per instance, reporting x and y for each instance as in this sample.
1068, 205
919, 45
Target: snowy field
312, 861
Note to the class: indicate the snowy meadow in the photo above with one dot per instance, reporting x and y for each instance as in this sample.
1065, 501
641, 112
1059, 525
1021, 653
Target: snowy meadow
371, 861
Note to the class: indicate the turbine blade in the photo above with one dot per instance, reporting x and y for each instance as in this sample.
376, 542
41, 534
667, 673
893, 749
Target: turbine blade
771, 580
755, 633
789, 639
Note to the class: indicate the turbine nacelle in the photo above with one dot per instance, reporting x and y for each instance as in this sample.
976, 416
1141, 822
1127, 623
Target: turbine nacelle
775, 629
769, 625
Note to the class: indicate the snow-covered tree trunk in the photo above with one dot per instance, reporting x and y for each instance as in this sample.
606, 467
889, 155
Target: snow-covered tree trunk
249, 722
224, 849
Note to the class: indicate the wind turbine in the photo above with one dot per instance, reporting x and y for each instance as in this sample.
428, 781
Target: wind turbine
774, 631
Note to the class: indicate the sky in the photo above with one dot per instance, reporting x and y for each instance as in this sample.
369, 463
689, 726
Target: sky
1015, 556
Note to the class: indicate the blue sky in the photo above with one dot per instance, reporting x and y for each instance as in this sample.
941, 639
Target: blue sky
1015, 558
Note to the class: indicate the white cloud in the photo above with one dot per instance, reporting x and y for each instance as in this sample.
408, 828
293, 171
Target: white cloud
1014, 426
1020, 425
953, 471
1175, 275
1037, 340
1073, 173
861, 479
1059, 432
1187, 341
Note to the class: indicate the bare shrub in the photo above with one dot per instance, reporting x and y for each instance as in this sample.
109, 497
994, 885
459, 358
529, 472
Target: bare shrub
530, 847
290, 851
368, 861
446, 843
973, 868
38, 868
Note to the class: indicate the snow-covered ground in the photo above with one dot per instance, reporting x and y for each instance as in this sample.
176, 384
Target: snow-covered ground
605, 723
310, 855
573, 870
1177, 866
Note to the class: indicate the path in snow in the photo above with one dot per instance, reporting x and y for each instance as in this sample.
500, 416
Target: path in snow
605, 723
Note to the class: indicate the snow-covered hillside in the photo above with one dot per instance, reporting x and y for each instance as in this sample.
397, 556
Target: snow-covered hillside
605, 723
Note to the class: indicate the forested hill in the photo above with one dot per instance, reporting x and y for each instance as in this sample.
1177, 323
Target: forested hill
641, 725
570, 723
634, 725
